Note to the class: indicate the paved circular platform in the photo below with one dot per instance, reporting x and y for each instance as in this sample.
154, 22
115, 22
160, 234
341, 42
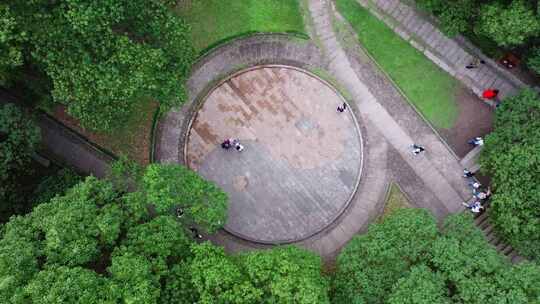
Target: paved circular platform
302, 159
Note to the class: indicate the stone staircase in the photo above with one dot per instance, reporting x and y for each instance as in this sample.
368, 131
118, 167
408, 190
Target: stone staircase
482, 221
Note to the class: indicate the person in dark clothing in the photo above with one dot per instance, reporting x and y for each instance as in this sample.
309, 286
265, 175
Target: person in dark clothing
196, 233
467, 173
474, 63
342, 108
226, 144
490, 94
417, 149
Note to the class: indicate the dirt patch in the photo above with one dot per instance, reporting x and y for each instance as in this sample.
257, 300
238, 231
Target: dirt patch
475, 118
134, 140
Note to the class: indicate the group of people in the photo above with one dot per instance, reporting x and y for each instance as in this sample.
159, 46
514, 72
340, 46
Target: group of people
480, 195
230, 142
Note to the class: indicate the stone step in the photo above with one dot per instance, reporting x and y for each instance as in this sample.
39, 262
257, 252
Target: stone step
471, 158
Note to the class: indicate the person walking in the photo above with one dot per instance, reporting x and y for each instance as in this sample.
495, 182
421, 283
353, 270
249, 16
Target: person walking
490, 94
342, 108
237, 145
475, 207
477, 141
417, 149
467, 173
475, 185
226, 144
474, 63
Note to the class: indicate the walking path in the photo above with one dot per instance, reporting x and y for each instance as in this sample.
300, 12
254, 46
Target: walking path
439, 169
367, 201
66, 146
451, 54
70, 148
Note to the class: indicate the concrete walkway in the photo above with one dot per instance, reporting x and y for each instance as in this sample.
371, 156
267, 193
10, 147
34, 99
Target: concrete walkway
451, 54
66, 146
368, 200
438, 169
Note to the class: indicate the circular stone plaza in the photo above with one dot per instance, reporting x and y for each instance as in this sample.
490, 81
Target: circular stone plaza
309, 174
302, 158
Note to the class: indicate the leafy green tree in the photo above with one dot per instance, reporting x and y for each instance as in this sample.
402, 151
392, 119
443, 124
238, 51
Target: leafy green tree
371, 263
279, 275
10, 44
56, 184
133, 276
19, 136
456, 265
171, 186
68, 285
102, 57
160, 241
454, 16
420, 286
533, 60
91, 245
510, 157
70, 223
218, 279
286, 275
508, 25
19, 250
178, 287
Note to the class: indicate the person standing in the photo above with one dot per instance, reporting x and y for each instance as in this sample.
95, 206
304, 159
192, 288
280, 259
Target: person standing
417, 149
342, 108
226, 144
477, 141
474, 63
467, 173
490, 94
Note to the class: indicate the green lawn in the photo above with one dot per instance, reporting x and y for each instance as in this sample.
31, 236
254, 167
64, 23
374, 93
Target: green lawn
428, 87
214, 21
395, 200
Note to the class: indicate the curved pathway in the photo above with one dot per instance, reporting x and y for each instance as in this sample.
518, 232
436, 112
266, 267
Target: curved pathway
302, 159
366, 203
438, 169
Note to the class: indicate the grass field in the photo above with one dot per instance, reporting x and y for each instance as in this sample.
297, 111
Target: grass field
429, 88
396, 200
214, 21
134, 139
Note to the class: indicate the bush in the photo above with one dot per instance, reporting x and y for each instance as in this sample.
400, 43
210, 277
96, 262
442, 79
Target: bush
406, 260
101, 58
454, 16
511, 158
533, 60
56, 184
19, 137
508, 25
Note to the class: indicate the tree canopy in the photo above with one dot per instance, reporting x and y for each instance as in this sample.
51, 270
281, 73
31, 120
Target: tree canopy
98, 57
507, 23
98, 243
281, 275
405, 259
19, 138
511, 157
170, 187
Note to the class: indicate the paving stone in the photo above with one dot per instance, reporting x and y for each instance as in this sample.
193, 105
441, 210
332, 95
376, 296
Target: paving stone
417, 45
425, 31
404, 12
402, 33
